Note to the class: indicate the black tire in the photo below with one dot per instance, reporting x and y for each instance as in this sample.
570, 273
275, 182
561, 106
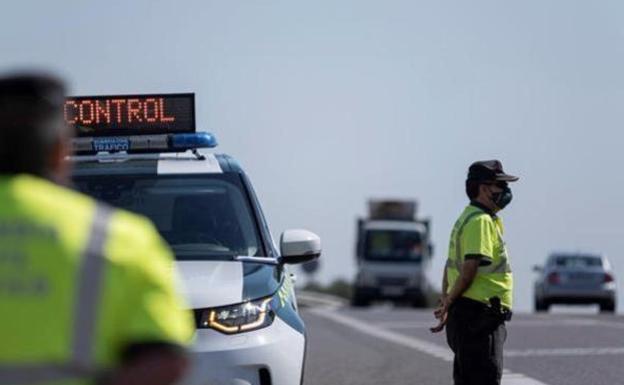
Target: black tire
359, 300
607, 307
541, 306
419, 301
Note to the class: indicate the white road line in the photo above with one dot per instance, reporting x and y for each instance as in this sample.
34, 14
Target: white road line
565, 352
611, 324
404, 324
435, 350
556, 321
513, 324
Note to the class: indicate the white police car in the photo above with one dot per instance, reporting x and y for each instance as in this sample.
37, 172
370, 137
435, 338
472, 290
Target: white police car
249, 330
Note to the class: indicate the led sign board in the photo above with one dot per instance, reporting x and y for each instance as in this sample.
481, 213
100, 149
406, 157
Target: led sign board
120, 115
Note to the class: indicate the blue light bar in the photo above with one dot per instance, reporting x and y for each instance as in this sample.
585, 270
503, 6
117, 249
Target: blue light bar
144, 143
192, 141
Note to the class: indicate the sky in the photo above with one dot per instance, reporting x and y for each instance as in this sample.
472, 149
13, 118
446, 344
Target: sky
329, 103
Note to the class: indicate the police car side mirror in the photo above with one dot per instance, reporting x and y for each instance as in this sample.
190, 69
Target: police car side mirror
299, 246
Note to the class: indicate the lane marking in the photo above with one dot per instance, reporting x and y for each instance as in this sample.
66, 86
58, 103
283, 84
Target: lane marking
567, 322
432, 349
512, 325
611, 324
560, 352
403, 324
435, 350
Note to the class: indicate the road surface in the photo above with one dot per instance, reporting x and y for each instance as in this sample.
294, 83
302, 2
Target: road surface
384, 345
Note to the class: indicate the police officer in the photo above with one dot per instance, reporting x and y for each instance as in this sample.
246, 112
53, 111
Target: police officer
477, 283
86, 291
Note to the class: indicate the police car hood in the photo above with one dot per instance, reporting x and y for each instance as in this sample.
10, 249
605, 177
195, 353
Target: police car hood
217, 283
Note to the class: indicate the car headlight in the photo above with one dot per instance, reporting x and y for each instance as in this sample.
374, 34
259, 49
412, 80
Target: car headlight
239, 318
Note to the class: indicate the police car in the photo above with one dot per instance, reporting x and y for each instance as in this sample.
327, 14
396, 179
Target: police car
141, 153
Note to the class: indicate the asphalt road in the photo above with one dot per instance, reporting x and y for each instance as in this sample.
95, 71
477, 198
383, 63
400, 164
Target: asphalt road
383, 345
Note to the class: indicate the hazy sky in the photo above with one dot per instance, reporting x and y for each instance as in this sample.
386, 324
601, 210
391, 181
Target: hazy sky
328, 103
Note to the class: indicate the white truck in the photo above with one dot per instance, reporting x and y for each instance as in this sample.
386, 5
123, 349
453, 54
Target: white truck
393, 251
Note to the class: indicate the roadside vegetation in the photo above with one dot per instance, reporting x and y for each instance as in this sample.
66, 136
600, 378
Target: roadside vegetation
343, 289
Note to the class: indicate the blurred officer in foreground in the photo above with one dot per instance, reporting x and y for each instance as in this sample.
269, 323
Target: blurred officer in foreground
86, 291
477, 283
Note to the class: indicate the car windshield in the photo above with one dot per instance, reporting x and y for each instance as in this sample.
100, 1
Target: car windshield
201, 217
397, 245
577, 261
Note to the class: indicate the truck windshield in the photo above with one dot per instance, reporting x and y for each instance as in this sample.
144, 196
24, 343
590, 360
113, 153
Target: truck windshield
207, 217
393, 245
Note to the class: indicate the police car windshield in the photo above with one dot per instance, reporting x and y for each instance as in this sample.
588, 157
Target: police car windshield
207, 217
396, 245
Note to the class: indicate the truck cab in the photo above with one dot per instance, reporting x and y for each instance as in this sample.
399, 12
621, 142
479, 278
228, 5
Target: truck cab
393, 252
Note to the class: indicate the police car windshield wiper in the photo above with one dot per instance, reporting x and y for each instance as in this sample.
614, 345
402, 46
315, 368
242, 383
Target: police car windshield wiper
186, 253
265, 260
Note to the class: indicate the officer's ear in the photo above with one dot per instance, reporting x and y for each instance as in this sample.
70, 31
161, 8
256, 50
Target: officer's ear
59, 166
483, 190
472, 189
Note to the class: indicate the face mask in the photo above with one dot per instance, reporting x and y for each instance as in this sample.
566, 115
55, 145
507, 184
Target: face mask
503, 198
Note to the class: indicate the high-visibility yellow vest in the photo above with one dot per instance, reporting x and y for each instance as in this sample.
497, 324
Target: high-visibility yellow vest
79, 281
477, 232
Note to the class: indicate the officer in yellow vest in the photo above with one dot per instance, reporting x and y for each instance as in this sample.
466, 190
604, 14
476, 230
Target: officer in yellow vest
477, 283
86, 291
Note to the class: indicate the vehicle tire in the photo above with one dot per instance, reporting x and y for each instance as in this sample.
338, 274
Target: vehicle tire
359, 300
419, 301
607, 307
541, 305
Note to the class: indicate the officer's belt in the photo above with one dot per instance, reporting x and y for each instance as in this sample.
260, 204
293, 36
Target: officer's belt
473, 304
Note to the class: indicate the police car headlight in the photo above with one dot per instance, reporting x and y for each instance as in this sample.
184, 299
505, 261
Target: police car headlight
238, 318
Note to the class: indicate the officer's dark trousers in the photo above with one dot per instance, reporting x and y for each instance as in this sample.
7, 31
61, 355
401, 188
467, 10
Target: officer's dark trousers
477, 343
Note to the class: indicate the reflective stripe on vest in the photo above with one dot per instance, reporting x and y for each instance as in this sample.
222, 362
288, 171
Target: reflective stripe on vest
81, 362
456, 262
501, 267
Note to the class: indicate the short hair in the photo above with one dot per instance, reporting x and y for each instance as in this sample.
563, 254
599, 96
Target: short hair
31, 122
472, 188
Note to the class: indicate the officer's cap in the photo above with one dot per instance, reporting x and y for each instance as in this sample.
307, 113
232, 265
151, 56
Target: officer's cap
489, 170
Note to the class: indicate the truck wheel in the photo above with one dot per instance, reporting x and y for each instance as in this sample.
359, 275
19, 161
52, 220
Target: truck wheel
419, 301
607, 307
541, 305
358, 300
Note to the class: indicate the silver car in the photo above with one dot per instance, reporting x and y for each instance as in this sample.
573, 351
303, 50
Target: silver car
573, 278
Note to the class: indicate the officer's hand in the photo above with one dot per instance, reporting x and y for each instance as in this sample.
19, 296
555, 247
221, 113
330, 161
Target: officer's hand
440, 326
442, 309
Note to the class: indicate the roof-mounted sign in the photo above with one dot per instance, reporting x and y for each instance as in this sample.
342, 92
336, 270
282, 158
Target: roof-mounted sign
123, 115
